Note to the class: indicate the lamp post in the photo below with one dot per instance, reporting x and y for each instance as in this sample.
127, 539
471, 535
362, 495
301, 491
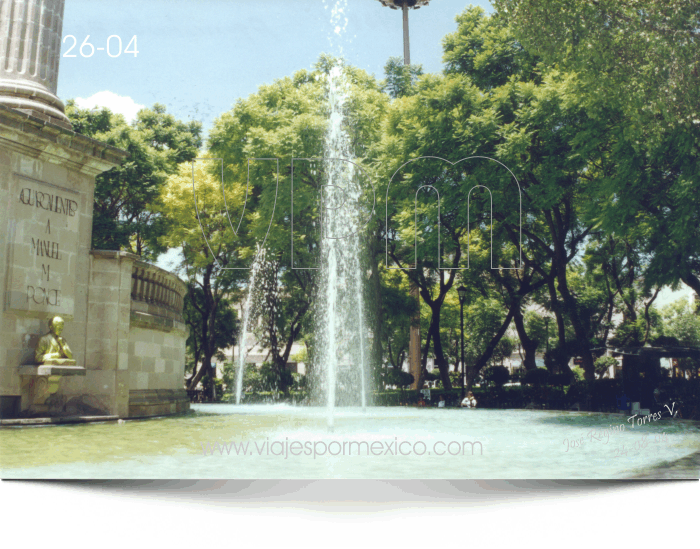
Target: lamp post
414, 337
404, 5
462, 292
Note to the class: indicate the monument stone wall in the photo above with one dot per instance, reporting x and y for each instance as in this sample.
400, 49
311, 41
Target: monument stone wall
47, 180
122, 318
138, 333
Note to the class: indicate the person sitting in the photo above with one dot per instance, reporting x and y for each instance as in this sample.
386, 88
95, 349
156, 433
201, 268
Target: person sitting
469, 401
662, 403
441, 403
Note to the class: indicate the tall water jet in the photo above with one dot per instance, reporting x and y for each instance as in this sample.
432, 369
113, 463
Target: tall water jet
259, 258
340, 310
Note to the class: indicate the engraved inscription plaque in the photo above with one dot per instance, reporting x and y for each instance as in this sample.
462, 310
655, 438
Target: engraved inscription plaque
44, 233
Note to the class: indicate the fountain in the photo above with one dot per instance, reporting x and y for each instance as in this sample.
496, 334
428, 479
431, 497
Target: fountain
341, 350
341, 356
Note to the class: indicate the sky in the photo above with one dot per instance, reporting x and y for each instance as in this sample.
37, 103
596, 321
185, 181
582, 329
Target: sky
197, 57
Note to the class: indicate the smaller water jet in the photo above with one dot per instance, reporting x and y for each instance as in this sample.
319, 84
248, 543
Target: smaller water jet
259, 259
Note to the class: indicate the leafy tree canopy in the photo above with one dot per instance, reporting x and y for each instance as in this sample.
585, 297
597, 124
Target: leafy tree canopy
643, 54
126, 197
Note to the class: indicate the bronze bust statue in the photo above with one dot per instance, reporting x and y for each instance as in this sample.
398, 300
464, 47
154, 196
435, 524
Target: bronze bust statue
52, 348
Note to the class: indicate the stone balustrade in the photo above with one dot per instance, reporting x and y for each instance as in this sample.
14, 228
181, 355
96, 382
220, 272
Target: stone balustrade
156, 296
154, 286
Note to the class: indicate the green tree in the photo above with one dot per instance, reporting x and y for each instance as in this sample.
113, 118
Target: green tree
282, 312
474, 111
485, 49
400, 79
603, 364
642, 54
209, 250
503, 350
680, 322
398, 308
288, 119
638, 72
125, 213
201, 339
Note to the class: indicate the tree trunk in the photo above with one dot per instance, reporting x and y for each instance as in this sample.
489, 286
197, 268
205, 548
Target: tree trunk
378, 310
424, 361
442, 364
559, 262
206, 367
206, 346
488, 352
414, 361
528, 345
694, 283
556, 308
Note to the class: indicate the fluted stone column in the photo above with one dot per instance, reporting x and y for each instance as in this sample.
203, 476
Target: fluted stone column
30, 48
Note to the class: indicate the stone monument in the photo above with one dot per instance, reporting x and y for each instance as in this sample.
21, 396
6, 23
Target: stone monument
122, 316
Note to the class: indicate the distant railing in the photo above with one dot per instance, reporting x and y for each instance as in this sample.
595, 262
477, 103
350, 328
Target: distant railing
153, 285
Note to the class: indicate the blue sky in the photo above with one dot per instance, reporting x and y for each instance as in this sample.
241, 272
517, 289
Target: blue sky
198, 56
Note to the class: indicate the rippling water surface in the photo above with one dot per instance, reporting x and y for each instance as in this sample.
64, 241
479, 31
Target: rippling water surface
515, 443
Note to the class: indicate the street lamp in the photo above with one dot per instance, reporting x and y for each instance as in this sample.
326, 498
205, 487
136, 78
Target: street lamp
462, 292
404, 5
414, 341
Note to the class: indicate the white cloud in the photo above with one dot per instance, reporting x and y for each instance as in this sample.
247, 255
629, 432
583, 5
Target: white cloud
116, 103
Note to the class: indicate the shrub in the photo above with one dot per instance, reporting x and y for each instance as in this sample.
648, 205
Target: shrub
218, 386
665, 341
300, 382
266, 378
538, 376
576, 392
537, 393
559, 380
498, 375
517, 376
397, 377
430, 376
229, 376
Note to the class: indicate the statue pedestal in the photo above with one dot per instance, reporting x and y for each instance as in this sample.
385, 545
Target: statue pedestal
52, 370
39, 382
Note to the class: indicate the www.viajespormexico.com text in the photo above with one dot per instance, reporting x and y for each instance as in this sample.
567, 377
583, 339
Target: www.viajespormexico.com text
285, 448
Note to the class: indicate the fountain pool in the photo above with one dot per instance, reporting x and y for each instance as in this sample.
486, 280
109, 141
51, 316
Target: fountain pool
516, 444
